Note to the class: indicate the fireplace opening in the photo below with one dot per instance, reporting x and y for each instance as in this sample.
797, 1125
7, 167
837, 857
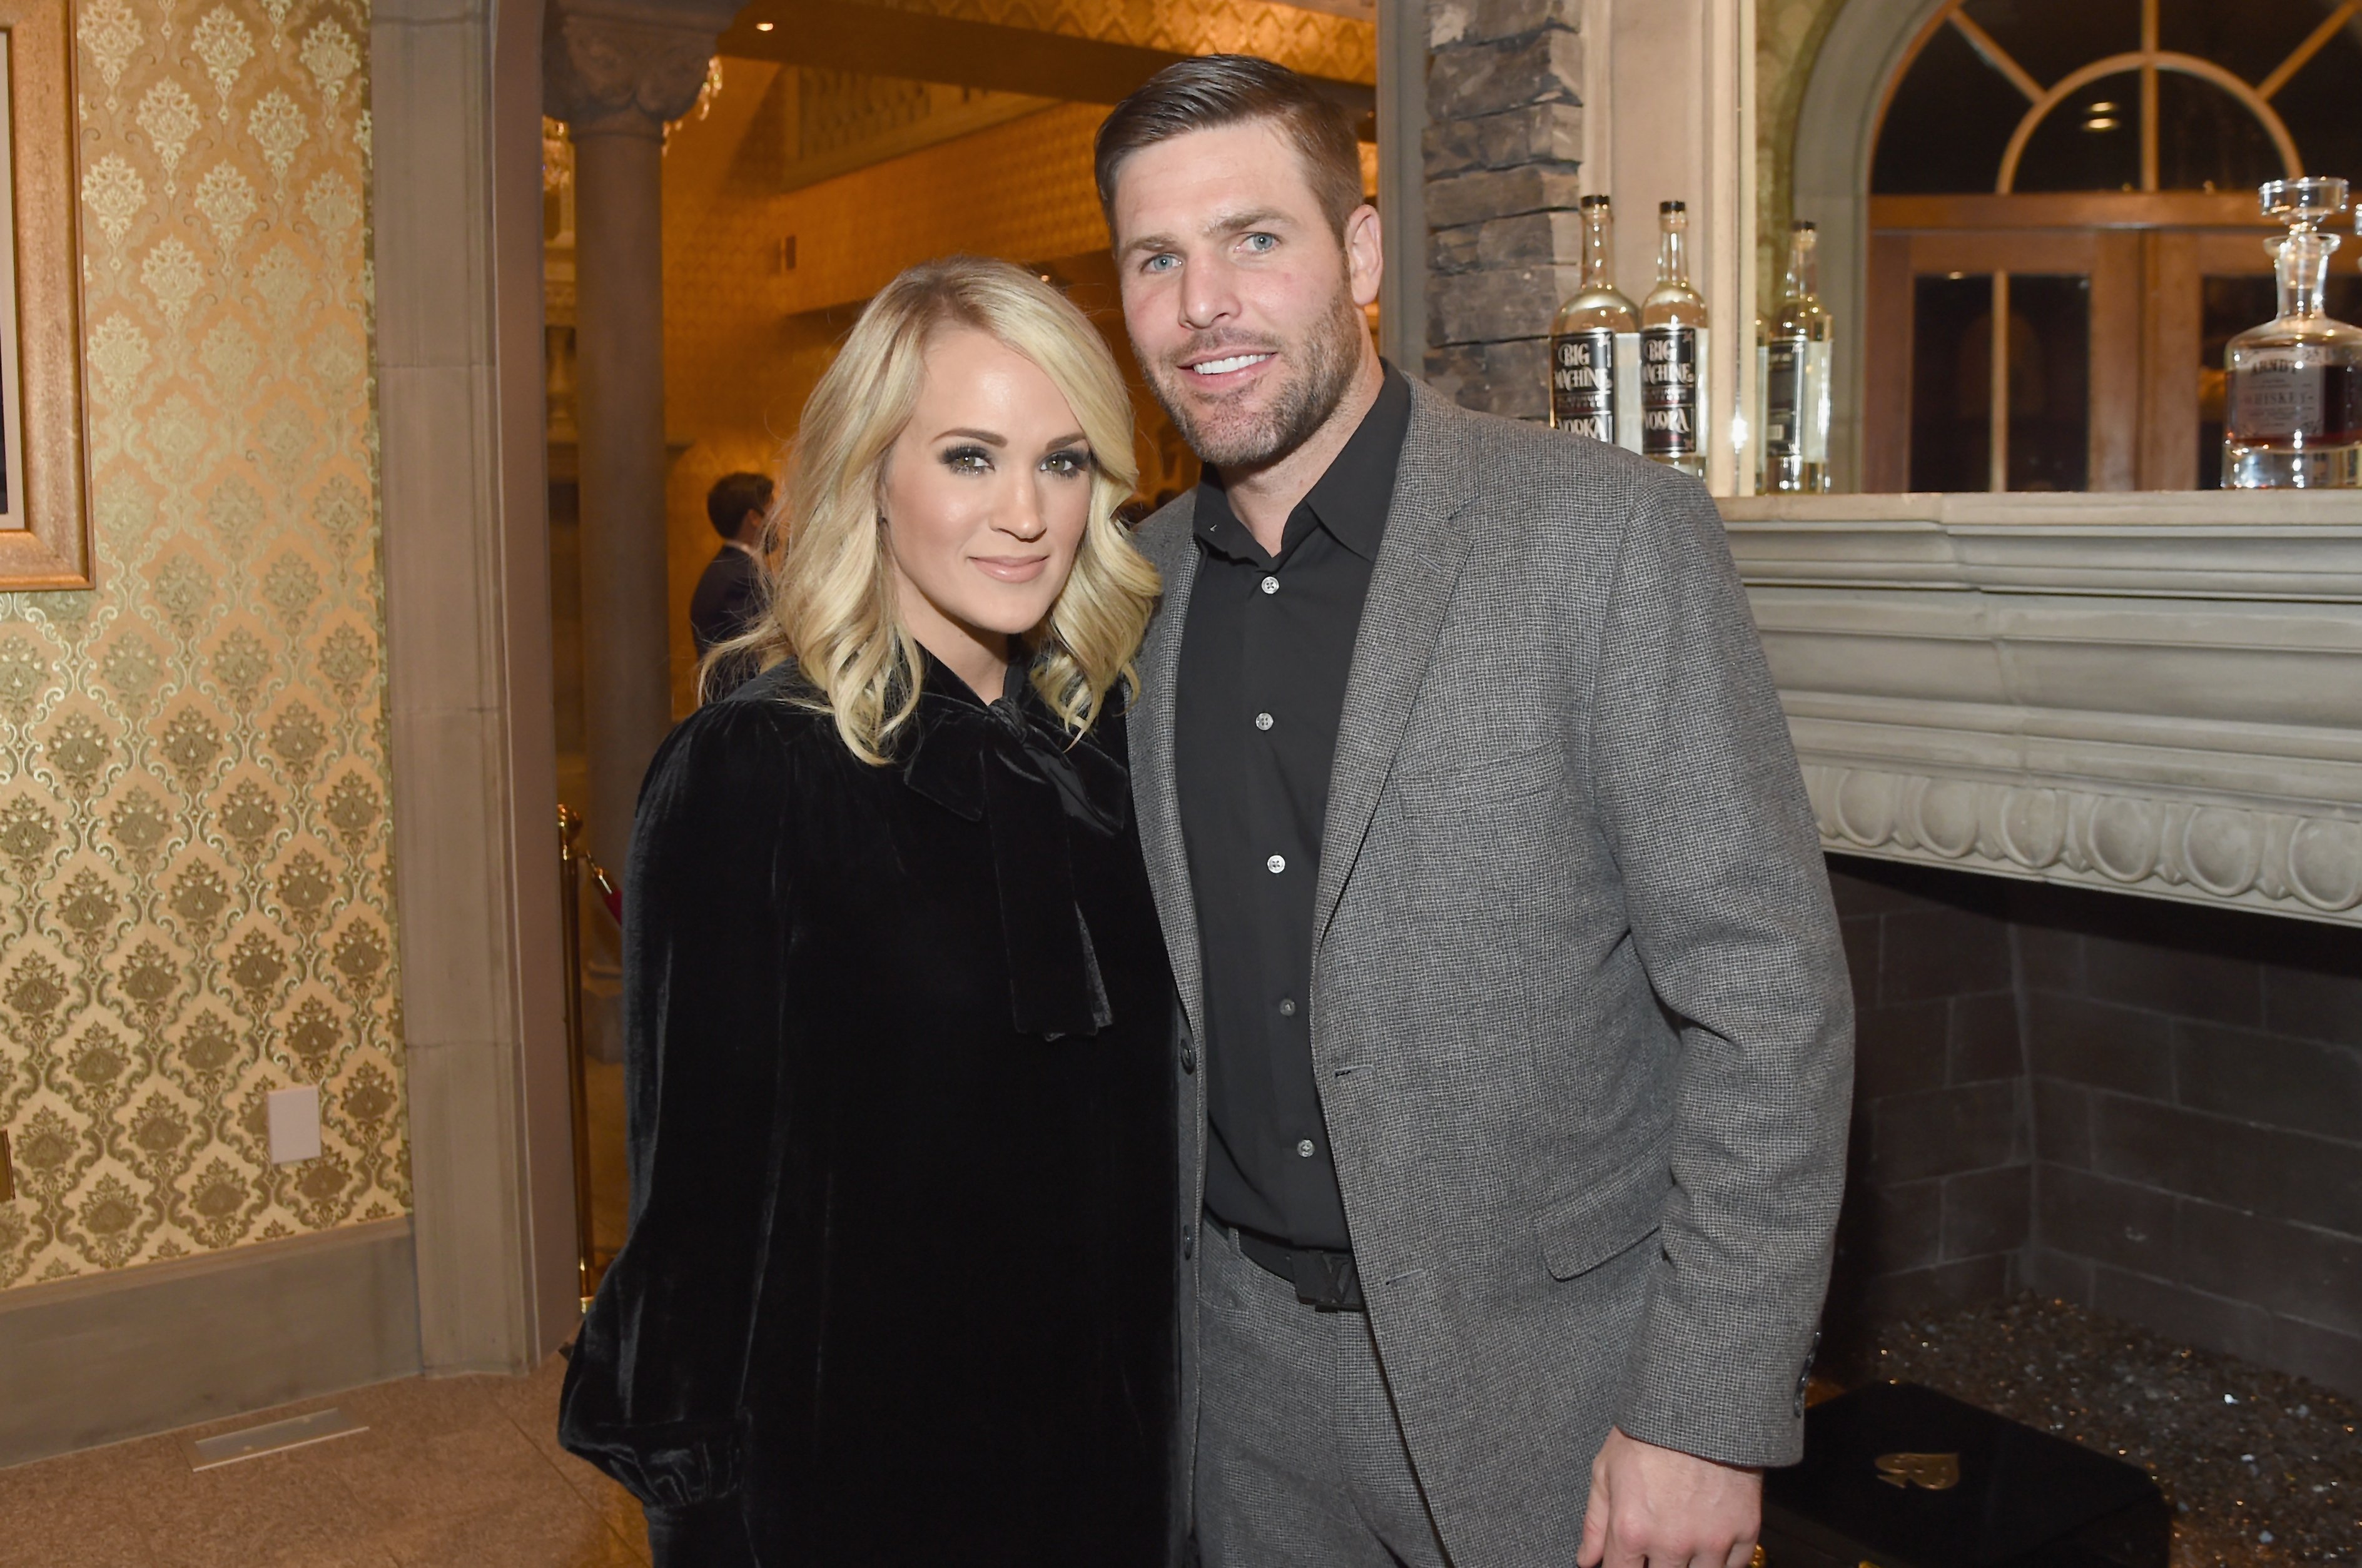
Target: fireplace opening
2117, 1141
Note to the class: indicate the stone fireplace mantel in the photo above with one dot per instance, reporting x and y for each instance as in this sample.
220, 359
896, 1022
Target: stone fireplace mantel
2155, 693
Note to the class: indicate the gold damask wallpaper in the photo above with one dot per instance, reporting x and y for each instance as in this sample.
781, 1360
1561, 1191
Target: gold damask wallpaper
195, 895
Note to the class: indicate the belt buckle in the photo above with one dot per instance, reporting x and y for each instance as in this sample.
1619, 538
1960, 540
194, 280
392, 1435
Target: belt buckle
1328, 1282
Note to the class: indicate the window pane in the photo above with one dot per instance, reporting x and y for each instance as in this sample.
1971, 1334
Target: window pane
2090, 142
1949, 121
1951, 371
2249, 39
2321, 108
2049, 381
2231, 305
2208, 140
2051, 38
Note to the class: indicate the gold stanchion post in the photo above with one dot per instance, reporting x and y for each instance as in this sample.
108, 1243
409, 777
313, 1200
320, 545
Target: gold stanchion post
569, 862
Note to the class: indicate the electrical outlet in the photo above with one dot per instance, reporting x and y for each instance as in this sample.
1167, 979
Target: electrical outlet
294, 1125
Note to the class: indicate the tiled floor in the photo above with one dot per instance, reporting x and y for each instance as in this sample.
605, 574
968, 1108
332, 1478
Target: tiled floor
458, 1473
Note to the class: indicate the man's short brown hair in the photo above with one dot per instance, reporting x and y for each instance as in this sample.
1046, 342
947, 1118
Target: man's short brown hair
731, 497
1217, 90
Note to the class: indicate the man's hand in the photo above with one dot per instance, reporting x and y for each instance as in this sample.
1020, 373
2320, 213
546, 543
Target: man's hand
1662, 1508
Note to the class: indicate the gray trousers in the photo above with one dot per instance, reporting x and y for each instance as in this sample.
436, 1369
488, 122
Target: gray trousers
1300, 1459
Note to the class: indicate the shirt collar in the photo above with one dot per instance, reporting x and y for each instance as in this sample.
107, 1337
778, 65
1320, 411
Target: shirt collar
1350, 500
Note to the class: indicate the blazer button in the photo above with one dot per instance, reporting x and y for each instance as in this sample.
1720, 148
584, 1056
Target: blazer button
1188, 1060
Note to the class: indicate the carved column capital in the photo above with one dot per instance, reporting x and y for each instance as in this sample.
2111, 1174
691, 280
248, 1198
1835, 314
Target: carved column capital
624, 70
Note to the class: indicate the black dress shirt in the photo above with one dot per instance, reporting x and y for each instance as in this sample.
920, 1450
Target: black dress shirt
1264, 655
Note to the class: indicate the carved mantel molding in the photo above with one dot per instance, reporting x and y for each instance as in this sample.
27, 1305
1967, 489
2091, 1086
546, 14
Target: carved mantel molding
626, 68
2154, 694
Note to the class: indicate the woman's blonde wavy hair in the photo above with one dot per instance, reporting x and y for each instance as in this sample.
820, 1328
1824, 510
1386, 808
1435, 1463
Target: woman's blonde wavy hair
832, 604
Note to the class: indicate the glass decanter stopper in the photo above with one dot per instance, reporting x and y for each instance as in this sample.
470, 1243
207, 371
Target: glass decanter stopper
2293, 414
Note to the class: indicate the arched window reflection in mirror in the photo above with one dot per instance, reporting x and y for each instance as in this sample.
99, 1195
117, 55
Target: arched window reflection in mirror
2086, 172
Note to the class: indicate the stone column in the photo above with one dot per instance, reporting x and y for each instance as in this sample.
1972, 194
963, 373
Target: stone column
616, 73
1504, 146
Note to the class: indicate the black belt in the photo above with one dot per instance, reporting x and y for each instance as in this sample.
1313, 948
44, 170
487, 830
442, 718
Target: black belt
1324, 1281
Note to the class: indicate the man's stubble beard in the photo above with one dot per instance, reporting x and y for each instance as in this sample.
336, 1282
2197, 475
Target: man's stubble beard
1330, 356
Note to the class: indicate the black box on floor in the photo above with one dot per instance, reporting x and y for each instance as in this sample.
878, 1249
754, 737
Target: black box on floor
1899, 1476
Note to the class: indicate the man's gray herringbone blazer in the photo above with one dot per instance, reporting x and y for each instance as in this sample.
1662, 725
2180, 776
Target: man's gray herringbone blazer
1580, 1018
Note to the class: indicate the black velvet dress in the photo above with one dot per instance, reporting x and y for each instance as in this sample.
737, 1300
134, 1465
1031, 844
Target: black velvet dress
900, 1283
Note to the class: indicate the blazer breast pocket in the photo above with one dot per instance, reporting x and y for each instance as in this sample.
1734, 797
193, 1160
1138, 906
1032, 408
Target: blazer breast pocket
1578, 1234
1477, 845
1446, 783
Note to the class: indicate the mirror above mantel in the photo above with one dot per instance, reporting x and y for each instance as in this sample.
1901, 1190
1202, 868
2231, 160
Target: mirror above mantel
2034, 640
2085, 176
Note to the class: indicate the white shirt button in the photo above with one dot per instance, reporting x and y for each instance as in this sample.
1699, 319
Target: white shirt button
1263, 721
1304, 1148
1287, 1006
1271, 585
1276, 864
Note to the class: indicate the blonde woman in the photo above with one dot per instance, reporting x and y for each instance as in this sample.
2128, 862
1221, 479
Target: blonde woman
900, 1282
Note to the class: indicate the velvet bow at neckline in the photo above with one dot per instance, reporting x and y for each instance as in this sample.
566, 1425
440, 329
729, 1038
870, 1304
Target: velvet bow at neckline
1013, 767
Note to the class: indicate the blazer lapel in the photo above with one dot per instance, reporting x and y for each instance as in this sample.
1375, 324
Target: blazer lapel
1418, 566
1153, 795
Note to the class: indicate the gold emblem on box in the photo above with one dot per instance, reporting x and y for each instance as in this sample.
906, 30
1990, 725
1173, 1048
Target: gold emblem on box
1936, 1472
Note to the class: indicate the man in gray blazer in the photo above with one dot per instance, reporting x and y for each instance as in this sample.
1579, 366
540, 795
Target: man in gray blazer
1515, 1036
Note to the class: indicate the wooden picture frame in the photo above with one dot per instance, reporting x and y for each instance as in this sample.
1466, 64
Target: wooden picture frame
45, 534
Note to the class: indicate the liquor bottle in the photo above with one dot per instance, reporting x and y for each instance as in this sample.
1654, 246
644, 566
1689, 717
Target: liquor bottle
1796, 375
1586, 384
1673, 353
2293, 416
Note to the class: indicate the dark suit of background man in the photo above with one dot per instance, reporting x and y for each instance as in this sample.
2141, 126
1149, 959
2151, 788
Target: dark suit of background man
730, 592
1515, 1039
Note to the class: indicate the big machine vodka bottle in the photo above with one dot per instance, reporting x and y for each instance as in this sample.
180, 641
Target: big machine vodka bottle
1795, 376
1585, 370
2293, 413
1673, 353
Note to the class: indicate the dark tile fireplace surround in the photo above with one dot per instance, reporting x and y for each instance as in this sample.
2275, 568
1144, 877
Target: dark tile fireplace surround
2151, 1109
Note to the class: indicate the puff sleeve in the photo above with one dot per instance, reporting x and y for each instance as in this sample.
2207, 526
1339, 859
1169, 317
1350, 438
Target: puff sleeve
653, 1394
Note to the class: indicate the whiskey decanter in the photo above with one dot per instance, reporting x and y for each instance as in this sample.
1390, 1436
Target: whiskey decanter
1589, 394
2292, 417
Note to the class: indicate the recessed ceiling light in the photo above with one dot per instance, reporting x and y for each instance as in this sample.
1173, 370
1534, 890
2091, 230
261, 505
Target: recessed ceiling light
764, 27
2104, 106
2103, 123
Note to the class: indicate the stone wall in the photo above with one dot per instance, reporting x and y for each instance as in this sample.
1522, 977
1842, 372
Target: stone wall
1503, 150
2149, 1109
